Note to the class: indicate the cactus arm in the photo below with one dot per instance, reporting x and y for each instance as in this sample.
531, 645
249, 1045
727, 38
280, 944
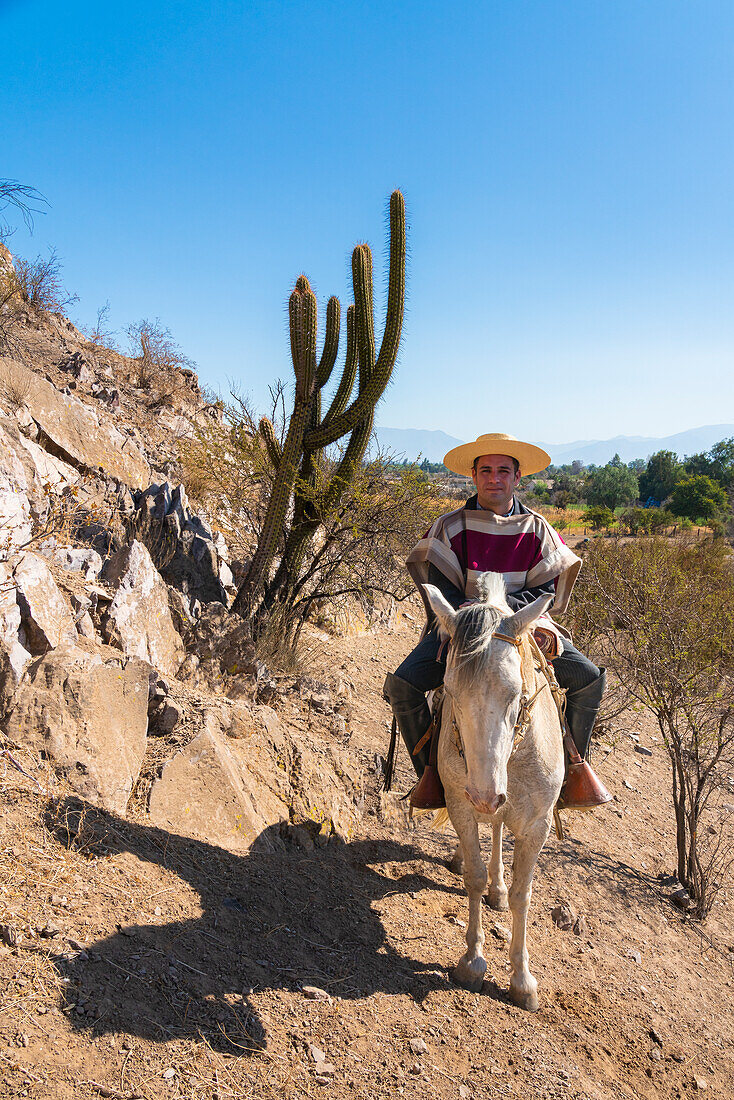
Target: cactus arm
331, 342
374, 387
346, 384
285, 477
302, 317
364, 312
275, 453
344, 473
396, 284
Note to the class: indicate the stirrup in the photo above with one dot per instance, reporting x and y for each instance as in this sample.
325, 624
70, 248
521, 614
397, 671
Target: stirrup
582, 790
428, 793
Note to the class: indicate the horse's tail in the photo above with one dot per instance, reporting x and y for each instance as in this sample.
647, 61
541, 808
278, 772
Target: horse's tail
441, 820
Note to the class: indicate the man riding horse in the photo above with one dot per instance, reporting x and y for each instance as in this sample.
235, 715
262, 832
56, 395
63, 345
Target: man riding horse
495, 532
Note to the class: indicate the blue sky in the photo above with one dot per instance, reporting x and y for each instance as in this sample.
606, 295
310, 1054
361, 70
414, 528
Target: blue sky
568, 171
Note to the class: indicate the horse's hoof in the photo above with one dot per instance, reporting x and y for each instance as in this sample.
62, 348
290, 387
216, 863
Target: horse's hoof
527, 999
497, 900
470, 973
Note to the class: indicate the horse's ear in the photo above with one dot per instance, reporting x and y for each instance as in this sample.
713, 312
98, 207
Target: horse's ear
529, 615
441, 608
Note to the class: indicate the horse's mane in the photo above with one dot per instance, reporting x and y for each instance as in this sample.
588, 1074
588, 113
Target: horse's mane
476, 624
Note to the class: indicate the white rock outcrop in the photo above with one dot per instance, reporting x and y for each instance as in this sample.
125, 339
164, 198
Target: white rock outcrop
46, 616
14, 657
15, 508
86, 436
138, 619
80, 559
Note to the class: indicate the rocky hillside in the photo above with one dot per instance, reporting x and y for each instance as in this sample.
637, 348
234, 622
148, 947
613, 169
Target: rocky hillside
120, 663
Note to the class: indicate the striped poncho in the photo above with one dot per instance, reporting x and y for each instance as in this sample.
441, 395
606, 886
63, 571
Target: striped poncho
522, 546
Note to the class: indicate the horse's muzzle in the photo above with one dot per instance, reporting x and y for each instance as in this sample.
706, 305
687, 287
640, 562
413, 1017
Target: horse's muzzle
485, 805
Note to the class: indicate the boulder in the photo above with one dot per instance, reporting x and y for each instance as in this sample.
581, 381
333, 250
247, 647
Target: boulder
204, 792
138, 619
82, 560
79, 366
87, 710
49, 470
46, 616
80, 435
244, 771
29, 477
225, 638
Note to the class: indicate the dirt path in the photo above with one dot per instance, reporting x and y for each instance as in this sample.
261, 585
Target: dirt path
156, 966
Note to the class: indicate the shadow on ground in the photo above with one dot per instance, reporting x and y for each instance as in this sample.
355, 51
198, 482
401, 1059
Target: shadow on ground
277, 918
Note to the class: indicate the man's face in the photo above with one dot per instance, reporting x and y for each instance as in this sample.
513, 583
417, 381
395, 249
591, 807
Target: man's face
496, 480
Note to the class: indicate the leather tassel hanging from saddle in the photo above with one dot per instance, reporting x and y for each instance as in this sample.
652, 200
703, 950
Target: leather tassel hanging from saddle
388, 770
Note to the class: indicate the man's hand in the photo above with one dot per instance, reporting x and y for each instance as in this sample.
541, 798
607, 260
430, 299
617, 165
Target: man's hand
547, 642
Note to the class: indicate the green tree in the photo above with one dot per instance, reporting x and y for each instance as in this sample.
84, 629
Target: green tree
662, 473
636, 520
611, 485
718, 463
698, 497
598, 517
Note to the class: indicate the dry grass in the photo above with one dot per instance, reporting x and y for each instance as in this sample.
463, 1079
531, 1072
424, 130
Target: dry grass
14, 391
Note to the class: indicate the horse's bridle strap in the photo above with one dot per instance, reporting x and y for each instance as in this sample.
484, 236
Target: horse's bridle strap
527, 701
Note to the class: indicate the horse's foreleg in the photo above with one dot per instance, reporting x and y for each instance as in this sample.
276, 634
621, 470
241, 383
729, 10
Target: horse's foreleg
523, 986
471, 967
497, 893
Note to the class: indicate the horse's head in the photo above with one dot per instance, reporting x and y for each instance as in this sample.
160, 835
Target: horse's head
484, 682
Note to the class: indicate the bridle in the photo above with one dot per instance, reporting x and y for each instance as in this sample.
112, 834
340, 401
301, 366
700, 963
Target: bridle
527, 701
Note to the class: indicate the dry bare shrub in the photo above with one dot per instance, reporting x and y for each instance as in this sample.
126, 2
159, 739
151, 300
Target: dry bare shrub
159, 366
100, 335
660, 614
38, 283
22, 198
29, 287
226, 470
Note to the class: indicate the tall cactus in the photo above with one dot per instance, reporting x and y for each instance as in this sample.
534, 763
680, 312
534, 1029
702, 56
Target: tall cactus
300, 493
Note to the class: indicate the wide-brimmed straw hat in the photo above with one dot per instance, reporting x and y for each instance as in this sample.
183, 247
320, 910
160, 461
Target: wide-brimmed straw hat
532, 459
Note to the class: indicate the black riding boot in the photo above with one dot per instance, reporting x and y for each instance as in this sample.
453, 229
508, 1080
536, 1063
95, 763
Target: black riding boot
582, 707
412, 714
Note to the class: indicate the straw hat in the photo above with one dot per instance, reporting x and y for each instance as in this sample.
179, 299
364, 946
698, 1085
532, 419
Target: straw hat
532, 459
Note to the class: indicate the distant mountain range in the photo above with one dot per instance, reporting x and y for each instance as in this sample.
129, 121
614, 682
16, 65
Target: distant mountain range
411, 442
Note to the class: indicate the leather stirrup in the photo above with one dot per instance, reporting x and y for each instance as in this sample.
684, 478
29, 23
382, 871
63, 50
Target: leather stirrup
582, 789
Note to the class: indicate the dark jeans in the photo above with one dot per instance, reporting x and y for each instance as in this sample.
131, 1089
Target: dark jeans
423, 669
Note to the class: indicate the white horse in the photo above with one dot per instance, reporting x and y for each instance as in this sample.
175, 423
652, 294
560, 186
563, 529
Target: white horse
500, 759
